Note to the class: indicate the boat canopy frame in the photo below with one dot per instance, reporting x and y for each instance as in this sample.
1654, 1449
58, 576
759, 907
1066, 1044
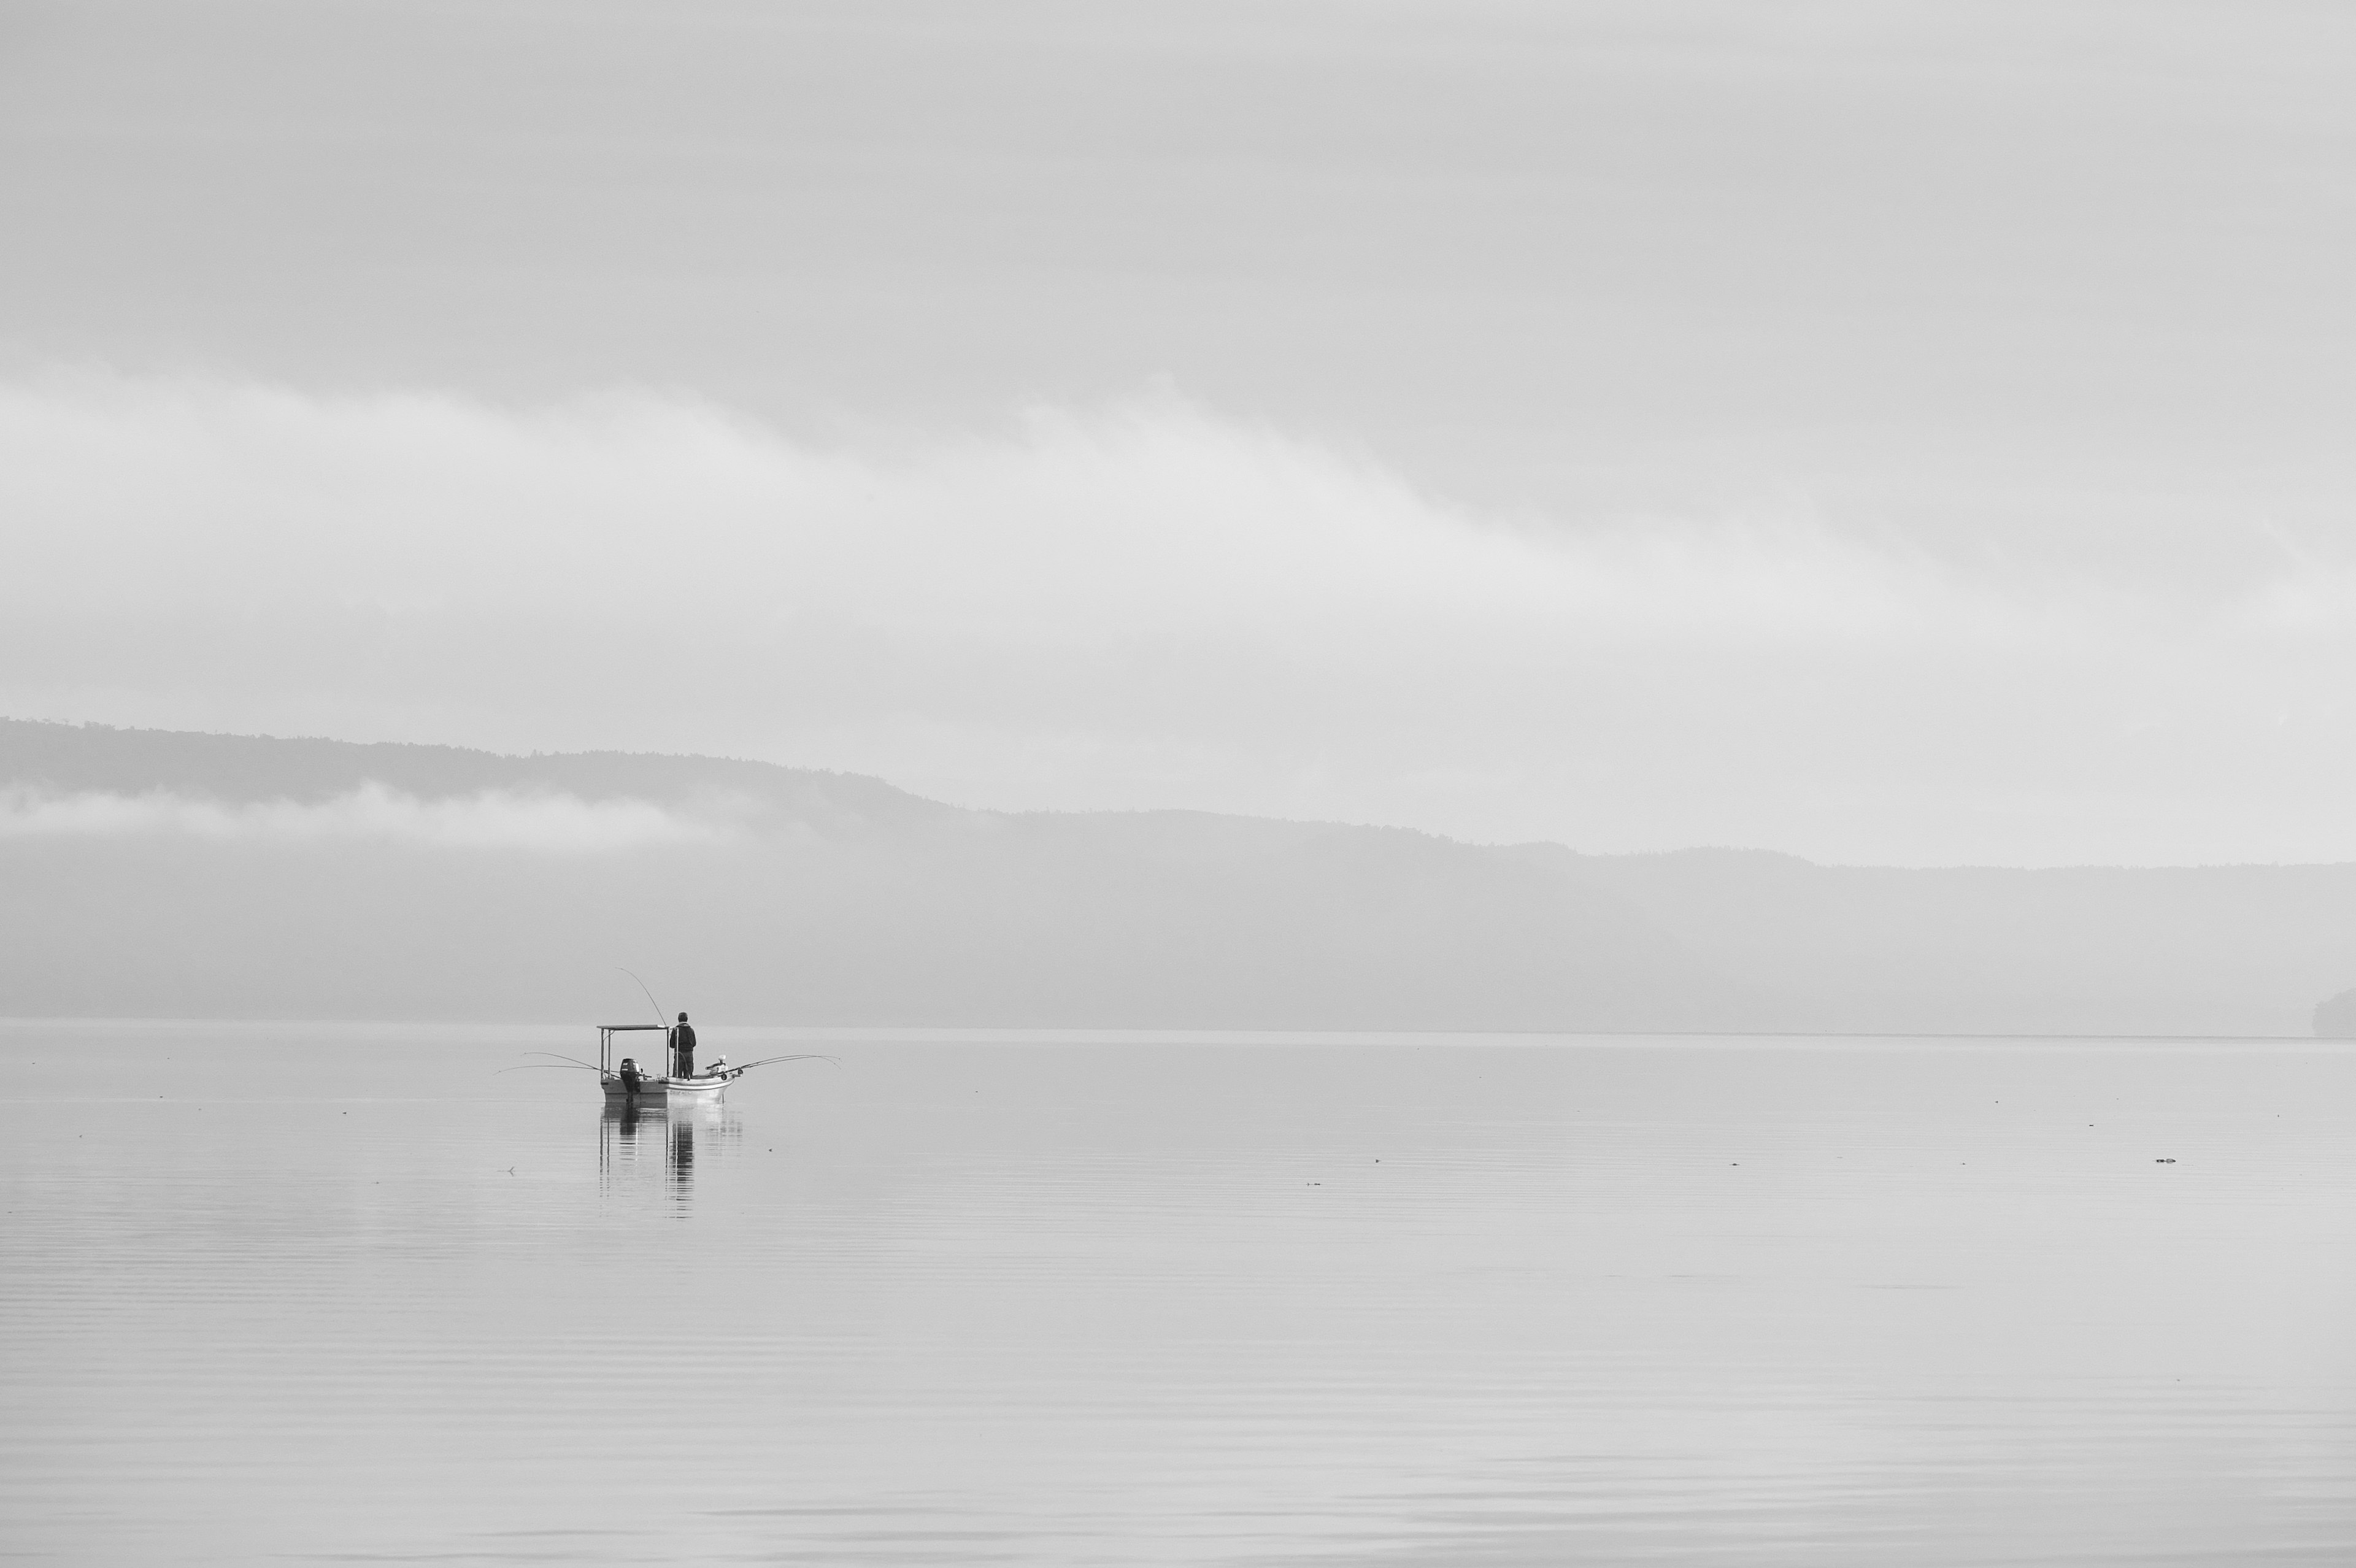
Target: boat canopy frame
605, 1033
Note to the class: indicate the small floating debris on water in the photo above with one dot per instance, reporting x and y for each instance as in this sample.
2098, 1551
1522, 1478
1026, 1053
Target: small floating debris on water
2163, 1162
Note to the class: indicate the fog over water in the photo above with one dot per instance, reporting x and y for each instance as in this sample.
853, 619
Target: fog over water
150, 873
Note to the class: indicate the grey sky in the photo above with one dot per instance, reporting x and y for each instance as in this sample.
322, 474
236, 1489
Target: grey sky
2007, 346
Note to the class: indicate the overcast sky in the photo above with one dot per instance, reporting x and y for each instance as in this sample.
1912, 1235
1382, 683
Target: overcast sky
1886, 433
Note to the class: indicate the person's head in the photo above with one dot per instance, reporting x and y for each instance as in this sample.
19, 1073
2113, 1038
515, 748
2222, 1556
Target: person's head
682, 1017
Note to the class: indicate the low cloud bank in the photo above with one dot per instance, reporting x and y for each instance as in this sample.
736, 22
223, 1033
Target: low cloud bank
1154, 606
541, 824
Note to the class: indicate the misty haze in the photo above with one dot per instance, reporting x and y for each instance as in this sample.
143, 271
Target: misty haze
1230, 784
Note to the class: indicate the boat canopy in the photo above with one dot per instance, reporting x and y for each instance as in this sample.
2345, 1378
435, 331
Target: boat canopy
605, 1033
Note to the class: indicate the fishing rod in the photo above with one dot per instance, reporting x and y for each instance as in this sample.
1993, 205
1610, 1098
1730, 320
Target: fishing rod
552, 1066
805, 1056
660, 1017
562, 1057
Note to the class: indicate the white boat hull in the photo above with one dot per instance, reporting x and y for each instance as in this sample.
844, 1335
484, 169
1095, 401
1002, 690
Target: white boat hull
671, 1091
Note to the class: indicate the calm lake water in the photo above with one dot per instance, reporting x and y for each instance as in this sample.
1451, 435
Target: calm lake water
337, 1292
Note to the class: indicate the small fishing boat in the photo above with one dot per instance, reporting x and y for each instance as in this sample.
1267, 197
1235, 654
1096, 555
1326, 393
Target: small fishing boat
660, 1088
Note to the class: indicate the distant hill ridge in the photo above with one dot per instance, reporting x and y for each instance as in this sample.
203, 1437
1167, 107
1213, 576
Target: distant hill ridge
241, 769
833, 898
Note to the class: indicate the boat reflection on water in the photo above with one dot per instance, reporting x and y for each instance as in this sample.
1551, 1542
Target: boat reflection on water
640, 1141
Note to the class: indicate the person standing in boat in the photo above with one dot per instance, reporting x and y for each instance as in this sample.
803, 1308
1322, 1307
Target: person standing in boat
683, 1048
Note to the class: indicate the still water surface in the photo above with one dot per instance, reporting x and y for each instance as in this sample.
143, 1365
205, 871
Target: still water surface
340, 1293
